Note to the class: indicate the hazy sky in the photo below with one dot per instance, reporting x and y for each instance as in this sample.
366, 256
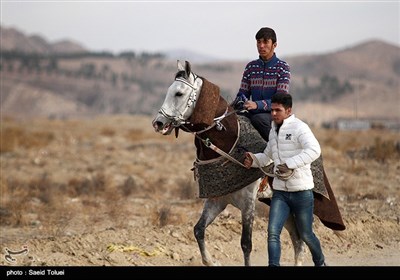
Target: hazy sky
223, 29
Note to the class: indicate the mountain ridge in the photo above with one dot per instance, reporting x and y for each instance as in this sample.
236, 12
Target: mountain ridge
14, 39
337, 84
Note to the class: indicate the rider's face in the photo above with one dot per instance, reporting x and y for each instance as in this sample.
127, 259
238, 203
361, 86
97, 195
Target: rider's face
265, 48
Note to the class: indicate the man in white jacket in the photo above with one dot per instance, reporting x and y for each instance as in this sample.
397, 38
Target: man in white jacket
292, 147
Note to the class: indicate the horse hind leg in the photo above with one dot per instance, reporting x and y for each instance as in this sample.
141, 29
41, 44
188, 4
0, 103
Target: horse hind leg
298, 243
247, 231
210, 211
245, 200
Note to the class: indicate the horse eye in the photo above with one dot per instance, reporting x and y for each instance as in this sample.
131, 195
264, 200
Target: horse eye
178, 94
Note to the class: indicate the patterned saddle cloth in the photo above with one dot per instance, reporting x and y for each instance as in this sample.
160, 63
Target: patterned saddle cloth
221, 176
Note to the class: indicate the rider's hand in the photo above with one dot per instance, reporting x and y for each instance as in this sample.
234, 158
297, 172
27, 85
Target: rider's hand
250, 105
237, 104
248, 160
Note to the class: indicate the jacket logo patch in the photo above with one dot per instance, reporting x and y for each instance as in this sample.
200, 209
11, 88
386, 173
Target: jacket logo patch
288, 137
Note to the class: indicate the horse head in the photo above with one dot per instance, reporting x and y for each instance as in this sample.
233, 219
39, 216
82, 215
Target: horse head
180, 100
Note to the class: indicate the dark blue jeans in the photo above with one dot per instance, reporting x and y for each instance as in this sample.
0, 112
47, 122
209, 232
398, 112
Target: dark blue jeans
301, 205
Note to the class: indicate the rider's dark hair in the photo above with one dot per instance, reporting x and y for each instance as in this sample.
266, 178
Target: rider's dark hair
266, 33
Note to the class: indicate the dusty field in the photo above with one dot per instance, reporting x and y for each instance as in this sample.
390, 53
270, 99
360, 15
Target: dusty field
110, 191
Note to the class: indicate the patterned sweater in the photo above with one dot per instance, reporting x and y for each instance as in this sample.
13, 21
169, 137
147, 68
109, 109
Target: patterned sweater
262, 79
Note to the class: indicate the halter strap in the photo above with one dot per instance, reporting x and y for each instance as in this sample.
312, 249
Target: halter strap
186, 82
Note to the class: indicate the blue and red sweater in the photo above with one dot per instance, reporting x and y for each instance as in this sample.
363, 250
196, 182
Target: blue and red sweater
262, 79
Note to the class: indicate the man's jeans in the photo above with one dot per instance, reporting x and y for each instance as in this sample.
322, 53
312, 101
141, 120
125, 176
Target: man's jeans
301, 205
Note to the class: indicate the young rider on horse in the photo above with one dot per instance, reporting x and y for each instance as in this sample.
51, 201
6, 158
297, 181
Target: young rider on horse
262, 78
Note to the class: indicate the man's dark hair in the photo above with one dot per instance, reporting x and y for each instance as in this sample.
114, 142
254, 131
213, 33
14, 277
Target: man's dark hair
283, 98
266, 33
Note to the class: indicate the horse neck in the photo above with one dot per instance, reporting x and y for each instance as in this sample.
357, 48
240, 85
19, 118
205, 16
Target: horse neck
223, 139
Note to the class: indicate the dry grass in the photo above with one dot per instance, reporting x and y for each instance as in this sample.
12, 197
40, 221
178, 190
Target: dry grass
47, 165
14, 137
63, 177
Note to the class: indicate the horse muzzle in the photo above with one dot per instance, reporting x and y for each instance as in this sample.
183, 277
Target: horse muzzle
163, 125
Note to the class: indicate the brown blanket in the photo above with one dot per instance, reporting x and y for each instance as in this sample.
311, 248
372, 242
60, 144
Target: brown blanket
327, 210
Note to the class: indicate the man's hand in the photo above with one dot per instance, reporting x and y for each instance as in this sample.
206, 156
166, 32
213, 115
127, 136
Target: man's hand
250, 105
283, 172
283, 168
248, 161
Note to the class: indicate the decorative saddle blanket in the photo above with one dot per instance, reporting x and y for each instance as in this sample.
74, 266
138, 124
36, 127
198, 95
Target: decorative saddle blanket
221, 176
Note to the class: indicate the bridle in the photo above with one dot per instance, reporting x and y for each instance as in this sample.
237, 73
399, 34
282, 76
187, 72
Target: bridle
179, 120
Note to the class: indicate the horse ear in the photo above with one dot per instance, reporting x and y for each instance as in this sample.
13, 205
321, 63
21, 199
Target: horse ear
180, 65
188, 68
184, 67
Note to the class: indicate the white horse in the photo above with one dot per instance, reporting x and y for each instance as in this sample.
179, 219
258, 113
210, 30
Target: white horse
215, 136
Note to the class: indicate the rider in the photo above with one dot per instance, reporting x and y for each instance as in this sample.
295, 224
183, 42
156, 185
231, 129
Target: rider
262, 78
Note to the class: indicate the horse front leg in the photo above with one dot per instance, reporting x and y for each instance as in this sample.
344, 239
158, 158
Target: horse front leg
211, 210
245, 200
298, 243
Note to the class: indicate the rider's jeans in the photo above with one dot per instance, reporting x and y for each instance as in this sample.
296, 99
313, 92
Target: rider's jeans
301, 205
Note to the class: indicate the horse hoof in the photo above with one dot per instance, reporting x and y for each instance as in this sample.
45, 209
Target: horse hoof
211, 263
216, 264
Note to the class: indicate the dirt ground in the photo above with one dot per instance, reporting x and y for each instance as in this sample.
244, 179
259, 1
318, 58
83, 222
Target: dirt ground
111, 192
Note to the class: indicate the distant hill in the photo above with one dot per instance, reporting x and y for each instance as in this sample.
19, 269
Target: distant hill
13, 39
358, 81
360, 61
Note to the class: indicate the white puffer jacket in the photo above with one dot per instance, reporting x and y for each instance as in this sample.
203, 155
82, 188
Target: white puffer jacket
295, 145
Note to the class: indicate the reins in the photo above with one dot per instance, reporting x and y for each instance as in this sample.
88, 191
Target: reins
217, 123
207, 142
